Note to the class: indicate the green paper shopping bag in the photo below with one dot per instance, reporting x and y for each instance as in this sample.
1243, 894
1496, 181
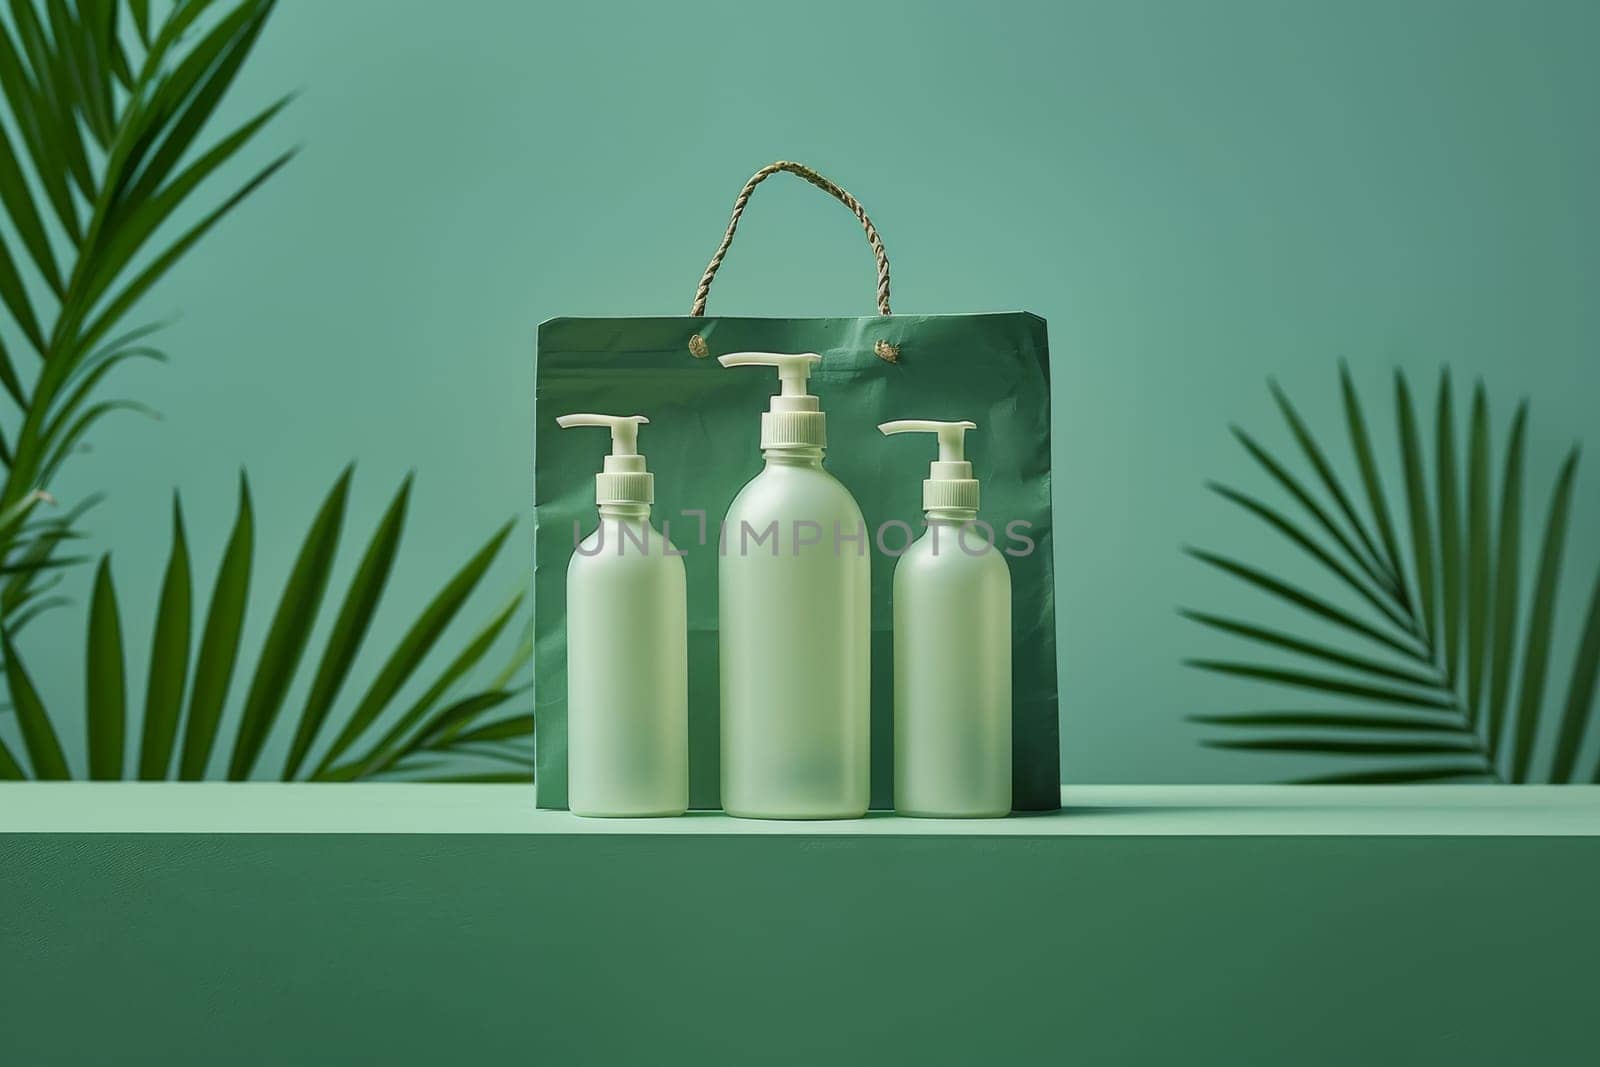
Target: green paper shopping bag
990, 368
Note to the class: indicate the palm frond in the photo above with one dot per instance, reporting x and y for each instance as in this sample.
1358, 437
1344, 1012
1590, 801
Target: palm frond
103, 136
1316, 650
1382, 722
1576, 711
219, 642
1326, 684
169, 657
1447, 488
448, 719
1369, 557
1477, 569
1307, 602
38, 735
290, 630
1305, 543
413, 647
490, 741
1372, 481
405, 735
1541, 623
350, 628
1343, 746
1308, 503
1464, 676
105, 680
1507, 569
1417, 509
1402, 774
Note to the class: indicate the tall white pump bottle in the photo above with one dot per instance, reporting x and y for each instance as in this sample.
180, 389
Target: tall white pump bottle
627, 647
952, 648
795, 622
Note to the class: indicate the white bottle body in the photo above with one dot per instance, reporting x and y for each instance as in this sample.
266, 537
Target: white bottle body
795, 646
627, 671
952, 674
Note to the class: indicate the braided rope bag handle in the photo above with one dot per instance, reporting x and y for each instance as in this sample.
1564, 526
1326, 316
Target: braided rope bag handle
702, 292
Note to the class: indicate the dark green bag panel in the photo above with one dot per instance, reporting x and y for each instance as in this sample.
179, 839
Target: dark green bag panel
702, 446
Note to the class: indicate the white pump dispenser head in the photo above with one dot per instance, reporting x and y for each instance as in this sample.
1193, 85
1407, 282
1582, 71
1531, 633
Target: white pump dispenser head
950, 483
794, 419
623, 480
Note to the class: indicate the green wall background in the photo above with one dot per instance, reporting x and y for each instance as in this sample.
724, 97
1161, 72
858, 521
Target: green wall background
1196, 196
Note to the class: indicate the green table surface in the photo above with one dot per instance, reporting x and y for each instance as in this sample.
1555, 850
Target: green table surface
311, 924
1101, 810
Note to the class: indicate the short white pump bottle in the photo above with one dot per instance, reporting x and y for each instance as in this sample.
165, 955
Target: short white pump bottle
795, 622
952, 648
627, 647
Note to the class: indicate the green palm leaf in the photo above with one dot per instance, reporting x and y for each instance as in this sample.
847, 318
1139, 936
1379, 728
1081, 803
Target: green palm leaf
34, 543
115, 147
1301, 599
12, 518
1508, 562
92, 374
169, 657
1372, 561
10, 769
1305, 543
1445, 484
136, 288
18, 201
350, 628
446, 720
20, 620
415, 645
189, 97
1541, 621
89, 80
14, 389
105, 680
1417, 508
290, 630
1477, 595
1335, 721
38, 736
392, 746
1324, 683
140, 12
1580, 695
1372, 482
41, 130
499, 730
1303, 497
219, 642
54, 94
1338, 746
146, 217
450, 731
1462, 650
15, 296
1316, 650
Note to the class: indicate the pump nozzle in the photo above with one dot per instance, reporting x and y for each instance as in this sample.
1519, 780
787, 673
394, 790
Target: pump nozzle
950, 483
952, 435
793, 370
624, 429
793, 419
623, 479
